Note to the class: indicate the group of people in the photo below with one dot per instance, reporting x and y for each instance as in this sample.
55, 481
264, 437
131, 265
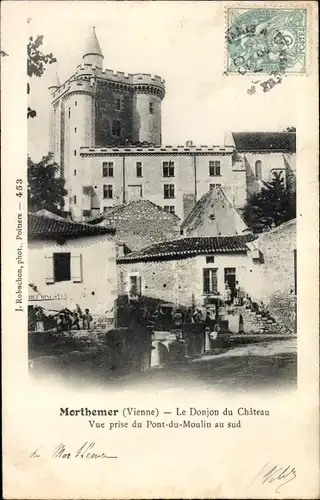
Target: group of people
63, 320
233, 296
74, 320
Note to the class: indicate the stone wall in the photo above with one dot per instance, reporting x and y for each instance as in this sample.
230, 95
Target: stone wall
170, 280
277, 273
106, 112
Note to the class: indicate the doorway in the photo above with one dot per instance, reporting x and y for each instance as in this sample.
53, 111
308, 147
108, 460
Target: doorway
230, 278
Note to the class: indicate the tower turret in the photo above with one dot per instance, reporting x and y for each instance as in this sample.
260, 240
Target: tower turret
55, 83
92, 52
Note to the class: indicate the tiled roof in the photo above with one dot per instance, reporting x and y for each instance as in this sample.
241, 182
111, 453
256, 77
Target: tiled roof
265, 141
187, 247
109, 214
40, 226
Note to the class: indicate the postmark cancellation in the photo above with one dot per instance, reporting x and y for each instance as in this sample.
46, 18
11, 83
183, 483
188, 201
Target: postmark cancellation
266, 40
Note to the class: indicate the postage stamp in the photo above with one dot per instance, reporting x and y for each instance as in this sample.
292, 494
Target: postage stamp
266, 40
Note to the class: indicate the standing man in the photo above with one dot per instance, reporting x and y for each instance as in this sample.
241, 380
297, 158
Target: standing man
87, 318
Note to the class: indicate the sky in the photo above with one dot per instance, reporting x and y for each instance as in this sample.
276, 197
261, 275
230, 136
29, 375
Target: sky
185, 45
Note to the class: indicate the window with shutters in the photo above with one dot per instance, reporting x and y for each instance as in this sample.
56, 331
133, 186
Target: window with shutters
214, 168
168, 191
151, 108
210, 281
168, 169
62, 266
107, 169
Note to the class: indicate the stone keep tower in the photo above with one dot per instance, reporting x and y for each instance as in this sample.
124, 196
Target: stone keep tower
97, 107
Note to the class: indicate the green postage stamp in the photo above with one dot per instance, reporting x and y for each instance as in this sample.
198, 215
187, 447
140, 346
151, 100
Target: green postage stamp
266, 40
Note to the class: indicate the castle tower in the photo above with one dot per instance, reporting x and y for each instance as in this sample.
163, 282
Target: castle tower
54, 119
100, 108
148, 93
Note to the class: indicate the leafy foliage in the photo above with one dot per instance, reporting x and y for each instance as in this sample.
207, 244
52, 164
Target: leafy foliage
36, 64
45, 189
272, 206
290, 129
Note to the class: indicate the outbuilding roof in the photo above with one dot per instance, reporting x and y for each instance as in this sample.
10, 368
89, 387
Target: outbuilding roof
40, 226
187, 247
265, 141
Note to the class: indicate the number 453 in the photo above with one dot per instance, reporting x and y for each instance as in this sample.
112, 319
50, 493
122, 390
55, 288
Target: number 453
19, 187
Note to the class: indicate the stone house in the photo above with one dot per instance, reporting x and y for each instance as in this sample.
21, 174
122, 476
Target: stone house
139, 223
260, 154
186, 271
71, 263
214, 215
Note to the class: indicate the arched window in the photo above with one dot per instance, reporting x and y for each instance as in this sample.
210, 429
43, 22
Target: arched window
258, 170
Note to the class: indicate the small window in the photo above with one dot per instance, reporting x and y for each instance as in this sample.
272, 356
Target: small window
151, 108
214, 168
86, 213
258, 170
210, 281
116, 128
75, 152
168, 169
210, 260
170, 209
75, 103
107, 169
74, 199
118, 103
74, 172
139, 169
135, 285
61, 266
75, 130
108, 191
69, 112
168, 191
214, 186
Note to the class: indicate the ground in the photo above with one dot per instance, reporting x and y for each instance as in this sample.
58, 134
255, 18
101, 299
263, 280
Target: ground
262, 365
265, 364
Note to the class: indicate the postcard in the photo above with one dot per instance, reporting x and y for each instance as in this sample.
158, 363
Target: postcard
160, 269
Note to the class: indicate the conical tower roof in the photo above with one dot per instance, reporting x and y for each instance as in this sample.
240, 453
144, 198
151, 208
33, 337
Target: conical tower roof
92, 45
55, 82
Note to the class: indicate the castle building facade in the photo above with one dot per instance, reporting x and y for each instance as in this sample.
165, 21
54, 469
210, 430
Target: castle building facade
106, 139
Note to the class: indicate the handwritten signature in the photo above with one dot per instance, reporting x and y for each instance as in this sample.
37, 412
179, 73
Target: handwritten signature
86, 451
276, 474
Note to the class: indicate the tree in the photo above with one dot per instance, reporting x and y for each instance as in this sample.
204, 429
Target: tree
36, 64
272, 206
45, 189
290, 129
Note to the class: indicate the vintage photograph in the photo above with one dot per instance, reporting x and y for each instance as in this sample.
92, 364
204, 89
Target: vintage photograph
160, 249
162, 209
